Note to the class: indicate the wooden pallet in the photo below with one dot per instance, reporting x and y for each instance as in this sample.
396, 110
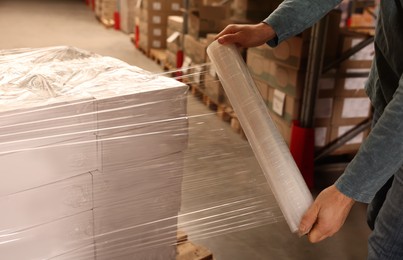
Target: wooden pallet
145, 52
186, 250
108, 23
158, 55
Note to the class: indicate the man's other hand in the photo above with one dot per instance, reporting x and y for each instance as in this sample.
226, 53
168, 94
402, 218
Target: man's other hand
326, 215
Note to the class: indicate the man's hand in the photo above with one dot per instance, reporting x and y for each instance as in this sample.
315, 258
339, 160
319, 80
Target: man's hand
246, 35
326, 215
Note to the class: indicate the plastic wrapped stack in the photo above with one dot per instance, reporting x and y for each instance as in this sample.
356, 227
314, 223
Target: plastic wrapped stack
91, 154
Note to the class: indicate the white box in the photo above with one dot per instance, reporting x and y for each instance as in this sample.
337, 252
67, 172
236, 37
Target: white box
46, 144
142, 180
49, 240
45, 204
151, 240
29, 169
83, 253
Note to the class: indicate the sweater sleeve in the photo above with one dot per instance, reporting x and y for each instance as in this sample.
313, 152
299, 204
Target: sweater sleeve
379, 157
294, 16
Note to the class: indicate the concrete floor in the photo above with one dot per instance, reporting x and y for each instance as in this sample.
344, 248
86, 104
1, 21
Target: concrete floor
227, 205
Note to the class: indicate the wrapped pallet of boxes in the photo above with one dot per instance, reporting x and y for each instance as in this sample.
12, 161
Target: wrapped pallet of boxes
127, 10
153, 22
174, 40
195, 59
91, 153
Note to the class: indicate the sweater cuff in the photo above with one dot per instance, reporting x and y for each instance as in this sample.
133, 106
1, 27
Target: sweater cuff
347, 189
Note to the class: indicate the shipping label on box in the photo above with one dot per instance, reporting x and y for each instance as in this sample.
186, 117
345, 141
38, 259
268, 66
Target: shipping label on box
278, 102
356, 107
156, 6
290, 106
156, 19
157, 32
351, 110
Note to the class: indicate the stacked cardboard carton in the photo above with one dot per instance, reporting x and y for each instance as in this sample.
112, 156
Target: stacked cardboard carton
174, 40
213, 88
253, 10
342, 101
153, 22
207, 18
104, 9
195, 58
91, 163
126, 11
279, 74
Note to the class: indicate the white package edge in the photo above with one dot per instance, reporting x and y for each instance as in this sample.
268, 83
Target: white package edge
270, 149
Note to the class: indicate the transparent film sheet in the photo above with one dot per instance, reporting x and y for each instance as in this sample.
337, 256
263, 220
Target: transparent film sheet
271, 151
102, 160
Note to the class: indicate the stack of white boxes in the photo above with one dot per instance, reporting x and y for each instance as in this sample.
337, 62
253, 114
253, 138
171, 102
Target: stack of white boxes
94, 172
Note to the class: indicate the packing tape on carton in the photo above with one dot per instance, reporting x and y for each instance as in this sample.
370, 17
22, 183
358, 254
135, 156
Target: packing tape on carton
269, 147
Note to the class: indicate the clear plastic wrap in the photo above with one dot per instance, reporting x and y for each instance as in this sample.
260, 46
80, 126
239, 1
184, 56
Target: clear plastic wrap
102, 160
271, 151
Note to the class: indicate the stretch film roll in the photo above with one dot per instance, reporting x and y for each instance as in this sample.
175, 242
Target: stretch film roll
267, 144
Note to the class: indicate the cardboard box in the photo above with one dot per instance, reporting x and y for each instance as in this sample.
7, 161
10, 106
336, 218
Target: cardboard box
168, 6
292, 52
137, 181
352, 146
214, 90
61, 236
263, 89
126, 11
148, 42
175, 23
254, 10
46, 144
195, 49
208, 19
84, 253
45, 204
351, 110
285, 106
108, 8
286, 79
